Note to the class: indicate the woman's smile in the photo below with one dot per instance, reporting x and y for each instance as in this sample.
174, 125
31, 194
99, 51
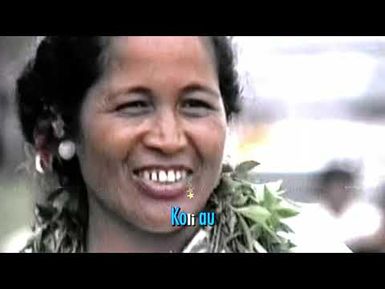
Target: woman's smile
163, 182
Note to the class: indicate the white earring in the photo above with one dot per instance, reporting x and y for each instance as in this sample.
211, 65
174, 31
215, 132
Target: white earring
38, 166
67, 150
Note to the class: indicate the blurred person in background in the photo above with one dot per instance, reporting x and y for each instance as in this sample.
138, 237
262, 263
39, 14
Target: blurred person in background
355, 219
337, 190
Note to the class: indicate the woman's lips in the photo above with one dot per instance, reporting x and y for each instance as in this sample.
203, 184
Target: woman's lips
159, 190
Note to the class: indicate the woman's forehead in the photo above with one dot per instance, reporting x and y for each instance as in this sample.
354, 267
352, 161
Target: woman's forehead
171, 63
127, 49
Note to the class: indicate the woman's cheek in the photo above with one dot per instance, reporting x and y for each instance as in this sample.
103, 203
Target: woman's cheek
210, 136
111, 139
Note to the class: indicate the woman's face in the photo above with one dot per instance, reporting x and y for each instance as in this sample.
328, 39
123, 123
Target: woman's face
154, 120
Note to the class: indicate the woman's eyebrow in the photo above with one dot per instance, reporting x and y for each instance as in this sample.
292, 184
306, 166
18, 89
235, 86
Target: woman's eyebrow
129, 90
200, 88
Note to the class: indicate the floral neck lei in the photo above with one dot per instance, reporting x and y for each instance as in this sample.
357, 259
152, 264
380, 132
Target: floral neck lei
249, 219
249, 216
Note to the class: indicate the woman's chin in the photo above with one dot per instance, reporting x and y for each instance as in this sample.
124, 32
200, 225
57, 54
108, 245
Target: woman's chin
160, 228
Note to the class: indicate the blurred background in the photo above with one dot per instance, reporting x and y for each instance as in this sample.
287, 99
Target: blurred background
16, 195
313, 116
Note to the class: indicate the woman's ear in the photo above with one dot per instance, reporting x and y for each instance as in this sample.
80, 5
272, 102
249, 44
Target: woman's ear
44, 156
43, 161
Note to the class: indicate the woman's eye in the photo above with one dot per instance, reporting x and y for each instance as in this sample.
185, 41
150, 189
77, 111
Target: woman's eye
135, 107
196, 107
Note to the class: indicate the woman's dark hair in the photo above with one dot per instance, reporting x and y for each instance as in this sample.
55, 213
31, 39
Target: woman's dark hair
53, 85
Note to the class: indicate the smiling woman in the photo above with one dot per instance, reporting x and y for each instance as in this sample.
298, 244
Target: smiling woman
145, 115
121, 128
155, 118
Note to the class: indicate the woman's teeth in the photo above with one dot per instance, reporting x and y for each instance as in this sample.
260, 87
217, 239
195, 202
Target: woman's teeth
163, 176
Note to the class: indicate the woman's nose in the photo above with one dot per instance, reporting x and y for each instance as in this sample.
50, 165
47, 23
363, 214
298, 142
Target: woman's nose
166, 134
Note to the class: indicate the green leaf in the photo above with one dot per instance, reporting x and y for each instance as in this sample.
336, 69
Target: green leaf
255, 213
259, 192
286, 212
274, 221
269, 199
258, 247
274, 186
247, 234
280, 192
272, 233
256, 231
243, 168
232, 222
227, 185
239, 200
286, 209
285, 228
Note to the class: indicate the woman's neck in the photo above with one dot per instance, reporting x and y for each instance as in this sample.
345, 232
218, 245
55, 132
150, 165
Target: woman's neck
109, 233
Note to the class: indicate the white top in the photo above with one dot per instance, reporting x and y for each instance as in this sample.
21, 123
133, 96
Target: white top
315, 231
